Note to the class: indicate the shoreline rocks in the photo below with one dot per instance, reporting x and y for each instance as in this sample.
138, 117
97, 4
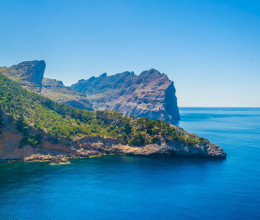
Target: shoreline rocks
89, 147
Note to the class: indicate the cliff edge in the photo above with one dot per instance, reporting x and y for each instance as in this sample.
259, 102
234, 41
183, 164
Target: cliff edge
29, 74
150, 94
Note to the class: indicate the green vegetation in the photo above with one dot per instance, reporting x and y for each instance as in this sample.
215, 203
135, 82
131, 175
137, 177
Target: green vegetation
36, 115
29, 136
1, 118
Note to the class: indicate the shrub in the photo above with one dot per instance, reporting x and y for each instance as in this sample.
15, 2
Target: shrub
137, 139
32, 140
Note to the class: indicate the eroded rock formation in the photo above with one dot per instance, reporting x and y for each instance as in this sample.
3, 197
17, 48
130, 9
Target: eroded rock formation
150, 94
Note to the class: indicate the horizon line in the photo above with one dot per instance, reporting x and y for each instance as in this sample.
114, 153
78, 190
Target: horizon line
218, 107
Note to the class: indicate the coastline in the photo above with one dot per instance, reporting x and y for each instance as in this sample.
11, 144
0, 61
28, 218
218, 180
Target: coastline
60, 159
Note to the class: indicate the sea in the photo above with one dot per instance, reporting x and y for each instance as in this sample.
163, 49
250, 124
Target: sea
123, 187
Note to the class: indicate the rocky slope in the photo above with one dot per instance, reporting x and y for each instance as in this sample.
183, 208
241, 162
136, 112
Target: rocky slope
30, 74
56, 91
150, 94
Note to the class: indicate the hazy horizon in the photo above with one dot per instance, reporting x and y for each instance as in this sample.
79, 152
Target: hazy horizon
210, 49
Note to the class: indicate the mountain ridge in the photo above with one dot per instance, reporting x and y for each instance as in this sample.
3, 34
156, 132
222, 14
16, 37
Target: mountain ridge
150, 94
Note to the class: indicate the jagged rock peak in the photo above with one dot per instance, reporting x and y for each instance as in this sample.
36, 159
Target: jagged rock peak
33, 71
150, 71
103, 75
150, 94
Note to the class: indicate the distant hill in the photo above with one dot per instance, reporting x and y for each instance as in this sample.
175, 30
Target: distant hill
56, 91
33, 127
150, 94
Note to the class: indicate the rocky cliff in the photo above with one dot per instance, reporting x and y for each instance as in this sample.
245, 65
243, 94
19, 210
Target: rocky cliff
150, 94
29, 74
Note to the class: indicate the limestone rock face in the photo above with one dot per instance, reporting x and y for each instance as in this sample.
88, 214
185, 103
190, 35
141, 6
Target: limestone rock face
150, 94
29, 74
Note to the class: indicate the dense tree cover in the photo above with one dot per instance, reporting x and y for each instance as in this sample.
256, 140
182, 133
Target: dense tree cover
1, 118
63, 121
30, 137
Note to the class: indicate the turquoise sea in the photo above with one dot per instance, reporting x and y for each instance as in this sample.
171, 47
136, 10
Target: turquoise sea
121, 187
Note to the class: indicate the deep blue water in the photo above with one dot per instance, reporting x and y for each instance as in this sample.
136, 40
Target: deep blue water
116, 187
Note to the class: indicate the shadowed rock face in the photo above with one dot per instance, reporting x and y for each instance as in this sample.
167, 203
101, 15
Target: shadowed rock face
150, 94
29, 74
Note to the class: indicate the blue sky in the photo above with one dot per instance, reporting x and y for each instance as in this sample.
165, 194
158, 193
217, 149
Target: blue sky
210, 49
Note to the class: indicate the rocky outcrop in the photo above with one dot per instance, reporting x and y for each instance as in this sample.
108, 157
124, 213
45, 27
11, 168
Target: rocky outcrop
150, 94
55, 90
29, 74
173, 150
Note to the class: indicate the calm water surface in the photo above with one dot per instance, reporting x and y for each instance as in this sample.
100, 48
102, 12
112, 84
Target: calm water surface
147, 188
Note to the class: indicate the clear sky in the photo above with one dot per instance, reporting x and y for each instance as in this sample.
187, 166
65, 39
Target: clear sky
209, 48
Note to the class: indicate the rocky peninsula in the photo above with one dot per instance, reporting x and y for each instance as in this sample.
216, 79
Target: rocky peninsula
36, 128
